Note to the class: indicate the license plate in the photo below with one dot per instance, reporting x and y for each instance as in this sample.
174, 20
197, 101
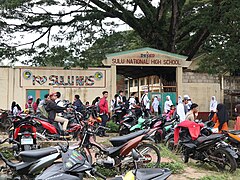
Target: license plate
26, 141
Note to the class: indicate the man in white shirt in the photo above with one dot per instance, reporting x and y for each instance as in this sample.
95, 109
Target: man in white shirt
58, 100
132, 101
145, 102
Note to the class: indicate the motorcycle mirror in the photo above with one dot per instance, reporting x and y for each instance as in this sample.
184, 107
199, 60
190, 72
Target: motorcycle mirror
135, 155
10, 140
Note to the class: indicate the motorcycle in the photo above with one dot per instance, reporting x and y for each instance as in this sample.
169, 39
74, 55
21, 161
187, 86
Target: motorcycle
46, 130
144, 173
118, 154
32, 162
73, 166
206, 149
23, 133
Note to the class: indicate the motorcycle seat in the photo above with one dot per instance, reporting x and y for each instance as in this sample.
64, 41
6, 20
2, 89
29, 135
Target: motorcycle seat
151, 173
113, 151
28, 156
117, 141
208, 138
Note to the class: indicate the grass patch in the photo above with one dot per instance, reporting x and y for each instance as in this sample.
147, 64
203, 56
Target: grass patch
7, 153
223, 176
175, 167
108, 172
114, 128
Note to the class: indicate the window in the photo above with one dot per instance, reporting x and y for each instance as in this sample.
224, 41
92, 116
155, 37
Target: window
131, 83
142, 82
156, 80
148, 80
136, 82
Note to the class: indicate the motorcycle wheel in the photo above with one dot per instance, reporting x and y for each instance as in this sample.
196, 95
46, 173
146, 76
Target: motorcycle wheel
123, 131
230, 163
185, 158
149, 156
170, 144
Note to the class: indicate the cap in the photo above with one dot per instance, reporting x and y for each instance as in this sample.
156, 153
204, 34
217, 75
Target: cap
186, 97
30, 97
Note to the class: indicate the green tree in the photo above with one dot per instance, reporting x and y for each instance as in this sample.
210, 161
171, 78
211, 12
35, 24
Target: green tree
187, 27
116, 42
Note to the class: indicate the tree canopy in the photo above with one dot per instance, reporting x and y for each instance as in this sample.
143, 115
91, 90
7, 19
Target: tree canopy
62, 30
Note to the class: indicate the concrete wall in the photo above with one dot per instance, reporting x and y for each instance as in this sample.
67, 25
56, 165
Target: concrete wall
10, 81
201, 87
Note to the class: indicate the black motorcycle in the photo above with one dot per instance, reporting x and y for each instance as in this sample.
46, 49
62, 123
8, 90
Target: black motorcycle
32, 162
208, 149
73, 166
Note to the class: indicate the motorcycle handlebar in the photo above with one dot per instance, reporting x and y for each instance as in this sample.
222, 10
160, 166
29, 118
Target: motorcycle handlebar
62, 147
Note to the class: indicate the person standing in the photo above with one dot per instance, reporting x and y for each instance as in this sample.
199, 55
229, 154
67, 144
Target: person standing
52, 108
185, 103
213, 107
220, 118
145, 103
167, 104
104, 113
155, 105
180, 109
193, 113
121, 98
78, 103
237, 124
115, 102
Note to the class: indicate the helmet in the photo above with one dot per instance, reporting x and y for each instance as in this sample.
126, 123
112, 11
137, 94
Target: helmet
30, 97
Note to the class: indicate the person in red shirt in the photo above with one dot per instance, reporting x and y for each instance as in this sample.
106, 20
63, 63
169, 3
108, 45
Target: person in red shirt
104, 113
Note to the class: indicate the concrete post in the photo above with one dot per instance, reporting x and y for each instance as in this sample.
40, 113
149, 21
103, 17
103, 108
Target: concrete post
179, 74
113, 81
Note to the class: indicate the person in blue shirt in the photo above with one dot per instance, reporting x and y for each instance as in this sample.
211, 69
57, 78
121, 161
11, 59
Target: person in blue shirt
78, 103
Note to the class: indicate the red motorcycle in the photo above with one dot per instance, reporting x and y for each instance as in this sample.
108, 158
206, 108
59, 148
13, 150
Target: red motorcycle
46, 130
23, 133
119, 155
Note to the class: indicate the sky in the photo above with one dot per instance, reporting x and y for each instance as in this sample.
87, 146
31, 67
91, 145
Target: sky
22, 38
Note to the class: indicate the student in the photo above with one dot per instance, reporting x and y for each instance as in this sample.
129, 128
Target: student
30, 105
167, 104
237, 124
155, 105
52, 109
78, 103
213, 107
193, 113
104, 113
180, 109
220, 118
